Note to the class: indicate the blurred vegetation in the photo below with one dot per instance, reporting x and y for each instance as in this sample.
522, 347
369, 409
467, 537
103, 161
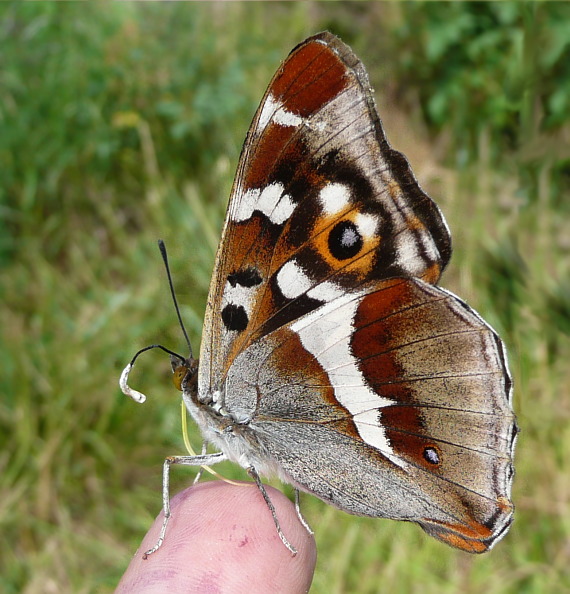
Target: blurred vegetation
122, 123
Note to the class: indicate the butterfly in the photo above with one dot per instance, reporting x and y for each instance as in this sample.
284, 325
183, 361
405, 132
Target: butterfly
330, 358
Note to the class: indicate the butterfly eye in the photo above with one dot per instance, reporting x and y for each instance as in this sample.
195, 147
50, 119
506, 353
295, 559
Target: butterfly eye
345, 240
179, 375
431, 456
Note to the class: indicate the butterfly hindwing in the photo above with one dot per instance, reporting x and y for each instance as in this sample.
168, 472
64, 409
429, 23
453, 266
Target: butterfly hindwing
389, 409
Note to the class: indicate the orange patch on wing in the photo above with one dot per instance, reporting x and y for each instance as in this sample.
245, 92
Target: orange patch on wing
505, 504
468, 545
432, 274
394, 189
250, 247
414, 223
471, 538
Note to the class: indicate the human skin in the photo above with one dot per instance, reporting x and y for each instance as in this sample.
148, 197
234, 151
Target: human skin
222, 538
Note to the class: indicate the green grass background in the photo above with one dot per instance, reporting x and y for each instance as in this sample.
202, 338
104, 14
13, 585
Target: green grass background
122, 123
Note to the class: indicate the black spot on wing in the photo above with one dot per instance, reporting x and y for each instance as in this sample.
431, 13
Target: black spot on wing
235, 317
249, 277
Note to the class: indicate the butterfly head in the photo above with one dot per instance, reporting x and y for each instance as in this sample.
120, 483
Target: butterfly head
184, 372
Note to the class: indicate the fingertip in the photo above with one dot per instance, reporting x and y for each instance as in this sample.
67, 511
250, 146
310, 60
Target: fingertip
222, 537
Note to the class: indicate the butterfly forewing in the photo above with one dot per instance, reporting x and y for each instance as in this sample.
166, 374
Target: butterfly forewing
321, 204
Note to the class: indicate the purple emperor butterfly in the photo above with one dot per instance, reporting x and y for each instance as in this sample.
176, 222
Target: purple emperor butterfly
330, 357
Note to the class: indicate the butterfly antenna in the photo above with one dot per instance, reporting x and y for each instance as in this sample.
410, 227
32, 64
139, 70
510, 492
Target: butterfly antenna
162, 249
175, 357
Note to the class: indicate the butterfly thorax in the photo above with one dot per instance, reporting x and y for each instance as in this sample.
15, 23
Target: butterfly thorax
227, 428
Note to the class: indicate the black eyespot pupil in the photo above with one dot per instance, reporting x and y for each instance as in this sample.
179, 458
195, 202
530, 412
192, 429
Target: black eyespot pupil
431, 456
235, 317
345, 240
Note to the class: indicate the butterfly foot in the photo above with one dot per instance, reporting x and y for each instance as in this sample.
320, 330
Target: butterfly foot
160, 540
153, 550
300, 515
287, 544
255, 476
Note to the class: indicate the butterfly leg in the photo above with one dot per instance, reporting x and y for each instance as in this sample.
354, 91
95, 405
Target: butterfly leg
204, 459
300, 515
253, 474
201, 469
